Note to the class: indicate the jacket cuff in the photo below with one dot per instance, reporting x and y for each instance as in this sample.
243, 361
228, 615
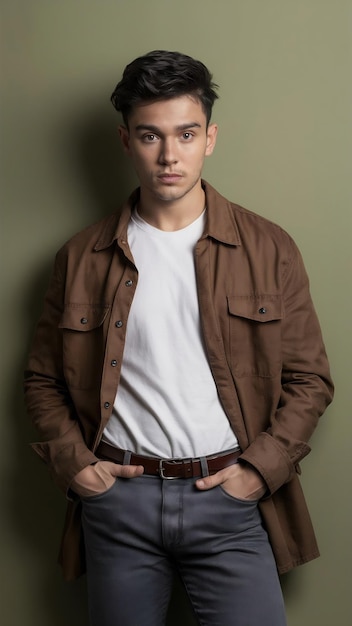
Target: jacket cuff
271, 460
67, 463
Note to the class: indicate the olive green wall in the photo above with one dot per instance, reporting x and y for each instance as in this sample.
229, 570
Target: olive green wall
284, 150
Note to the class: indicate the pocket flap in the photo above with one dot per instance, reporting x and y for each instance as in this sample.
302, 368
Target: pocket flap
83, 317
260, 308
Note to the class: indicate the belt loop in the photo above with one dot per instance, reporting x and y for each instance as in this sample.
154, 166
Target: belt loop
204, 466
126, 457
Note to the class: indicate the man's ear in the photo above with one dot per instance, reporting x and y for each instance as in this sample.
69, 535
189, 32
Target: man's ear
125, 138
212, 132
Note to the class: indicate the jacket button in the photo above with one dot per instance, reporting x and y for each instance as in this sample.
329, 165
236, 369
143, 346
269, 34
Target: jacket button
106, 405
113, 363
262, 310
118, 324
129, 283
84, 320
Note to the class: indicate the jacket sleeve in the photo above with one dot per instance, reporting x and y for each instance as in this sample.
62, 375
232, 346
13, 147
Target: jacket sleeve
306, 386
47, 397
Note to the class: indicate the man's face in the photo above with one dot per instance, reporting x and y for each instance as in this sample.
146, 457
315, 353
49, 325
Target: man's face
167, 141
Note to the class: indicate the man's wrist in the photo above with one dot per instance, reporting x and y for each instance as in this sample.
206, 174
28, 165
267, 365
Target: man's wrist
261, 482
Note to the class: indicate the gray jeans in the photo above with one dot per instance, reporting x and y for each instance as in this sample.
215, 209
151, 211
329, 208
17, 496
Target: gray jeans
142, 529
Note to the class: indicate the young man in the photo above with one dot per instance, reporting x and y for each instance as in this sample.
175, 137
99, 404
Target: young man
176, 376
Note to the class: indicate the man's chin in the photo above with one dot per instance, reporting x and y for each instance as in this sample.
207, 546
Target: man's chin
169, 195
172, 193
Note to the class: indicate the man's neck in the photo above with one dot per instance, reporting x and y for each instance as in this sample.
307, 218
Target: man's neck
171, 215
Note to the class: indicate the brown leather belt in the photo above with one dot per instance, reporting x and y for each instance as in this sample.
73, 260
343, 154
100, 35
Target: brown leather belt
169, 468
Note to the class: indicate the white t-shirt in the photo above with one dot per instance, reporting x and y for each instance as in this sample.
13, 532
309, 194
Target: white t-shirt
167, 403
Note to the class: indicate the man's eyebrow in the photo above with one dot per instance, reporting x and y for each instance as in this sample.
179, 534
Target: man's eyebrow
158, 131
186, 126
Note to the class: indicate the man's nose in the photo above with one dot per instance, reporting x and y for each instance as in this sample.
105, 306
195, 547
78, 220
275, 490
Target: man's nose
168, 153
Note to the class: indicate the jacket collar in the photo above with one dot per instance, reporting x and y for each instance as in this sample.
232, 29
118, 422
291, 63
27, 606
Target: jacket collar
221, 224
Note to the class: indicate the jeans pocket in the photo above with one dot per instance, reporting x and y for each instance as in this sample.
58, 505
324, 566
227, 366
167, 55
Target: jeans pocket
99, 496
245, 501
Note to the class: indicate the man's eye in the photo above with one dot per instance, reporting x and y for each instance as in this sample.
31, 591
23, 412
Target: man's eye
187, 135
150, 137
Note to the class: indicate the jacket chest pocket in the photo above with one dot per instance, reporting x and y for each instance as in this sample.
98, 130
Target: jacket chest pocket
255, 334
83, 344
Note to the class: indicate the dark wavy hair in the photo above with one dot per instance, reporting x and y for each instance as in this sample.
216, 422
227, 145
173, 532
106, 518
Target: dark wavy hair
162, 75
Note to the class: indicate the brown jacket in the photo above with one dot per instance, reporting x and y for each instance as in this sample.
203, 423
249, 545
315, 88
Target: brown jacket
263, 343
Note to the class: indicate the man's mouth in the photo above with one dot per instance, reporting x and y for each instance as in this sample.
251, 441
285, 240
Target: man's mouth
169, 177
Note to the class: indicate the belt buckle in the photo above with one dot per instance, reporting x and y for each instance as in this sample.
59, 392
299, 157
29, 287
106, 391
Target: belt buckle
161, 471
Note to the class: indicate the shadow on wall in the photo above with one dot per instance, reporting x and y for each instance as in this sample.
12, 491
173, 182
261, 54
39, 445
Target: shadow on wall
93, 144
